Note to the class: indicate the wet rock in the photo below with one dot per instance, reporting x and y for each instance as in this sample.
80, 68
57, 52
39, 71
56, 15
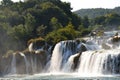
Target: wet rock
83, 48
106, 46
76, 61
116, 39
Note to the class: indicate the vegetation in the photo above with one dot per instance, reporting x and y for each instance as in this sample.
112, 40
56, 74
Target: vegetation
44, 21
37, 21
95, 12
101, 19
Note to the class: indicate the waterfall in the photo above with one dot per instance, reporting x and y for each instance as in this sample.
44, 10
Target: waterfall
100, 62
56, 58
62, 51
13, 65
91, 45
26, 62
92, 61
69, 65
30, 47
98, 56
34, 64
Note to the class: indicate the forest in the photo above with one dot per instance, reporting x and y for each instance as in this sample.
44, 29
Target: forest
47, 21
94, 12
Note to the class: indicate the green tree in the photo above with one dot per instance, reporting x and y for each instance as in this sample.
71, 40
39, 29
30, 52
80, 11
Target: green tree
66, 33
112, 19
30, 25
85, 22
55, 24
41, 30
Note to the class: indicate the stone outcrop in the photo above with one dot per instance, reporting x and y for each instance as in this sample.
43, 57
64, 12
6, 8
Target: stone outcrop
116, 39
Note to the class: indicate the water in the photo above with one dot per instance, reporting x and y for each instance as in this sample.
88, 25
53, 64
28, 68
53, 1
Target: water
26, 62
62, 76
13, 65
95, 59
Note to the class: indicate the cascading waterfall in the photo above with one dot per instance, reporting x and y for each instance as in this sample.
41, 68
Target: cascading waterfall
13, 65
100, 62
56, 58
26, 62
69, 65
92, 61
64, 50
96, 56
61, 53
34, 64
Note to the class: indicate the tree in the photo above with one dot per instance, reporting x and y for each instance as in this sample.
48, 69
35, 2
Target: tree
85, 22
30, 24
41, 30
6, 2
55, 24
112, 19
66, 33
99, 20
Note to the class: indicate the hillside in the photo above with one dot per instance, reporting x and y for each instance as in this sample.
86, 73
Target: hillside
38, 20
95, 12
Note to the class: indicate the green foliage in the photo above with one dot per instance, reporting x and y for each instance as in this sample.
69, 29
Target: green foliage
62, 34
95, 12
55, 24
85, 32
41, 30
18, 32
25, 22
6, 2
112, 19
108, 22
85, 22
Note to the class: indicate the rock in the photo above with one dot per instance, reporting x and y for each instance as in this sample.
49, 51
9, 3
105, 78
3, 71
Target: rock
116, 39
83, 48
106, 46
76, 61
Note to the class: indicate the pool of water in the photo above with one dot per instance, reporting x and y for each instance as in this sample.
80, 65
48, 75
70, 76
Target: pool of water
61, 76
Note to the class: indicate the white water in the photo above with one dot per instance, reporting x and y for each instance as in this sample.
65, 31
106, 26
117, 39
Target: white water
30, 47
26, 62
34, 64
69, 64
96, 60
56, 62
101, 58
13, 65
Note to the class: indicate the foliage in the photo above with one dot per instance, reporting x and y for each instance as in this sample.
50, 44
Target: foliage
49, 21
6, 2
62, 34
95, 12
55, 24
